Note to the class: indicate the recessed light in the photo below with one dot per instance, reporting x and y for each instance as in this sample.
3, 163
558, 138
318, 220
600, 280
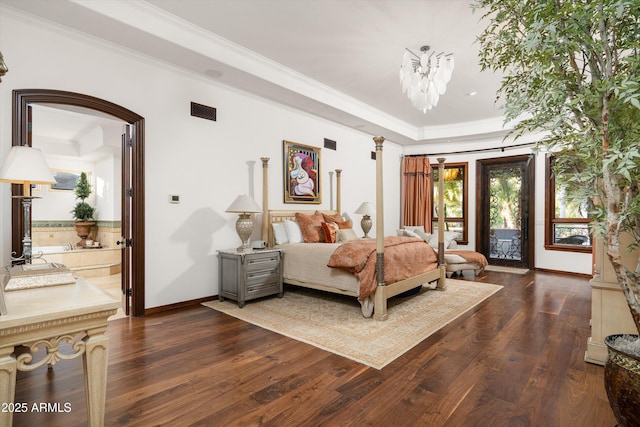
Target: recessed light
473, 93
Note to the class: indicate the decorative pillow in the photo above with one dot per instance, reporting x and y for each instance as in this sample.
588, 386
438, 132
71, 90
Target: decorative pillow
449, 236
346, 235
433, 240
311, 227
332, 217
410, 233
424, 236
294, 234
343, 225
280, 233
338, 219
330, 229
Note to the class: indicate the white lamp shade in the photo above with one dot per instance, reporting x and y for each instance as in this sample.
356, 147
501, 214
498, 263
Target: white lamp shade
26, 165
366, 209
244, 204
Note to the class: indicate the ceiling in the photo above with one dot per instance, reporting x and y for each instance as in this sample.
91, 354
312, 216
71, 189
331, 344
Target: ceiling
337, 59
64, 131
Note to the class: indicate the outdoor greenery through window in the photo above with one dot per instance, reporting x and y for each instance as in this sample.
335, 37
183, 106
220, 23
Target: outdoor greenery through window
455, 200
567, 218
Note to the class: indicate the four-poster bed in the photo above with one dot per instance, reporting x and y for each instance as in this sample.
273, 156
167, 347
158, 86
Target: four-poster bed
315, 273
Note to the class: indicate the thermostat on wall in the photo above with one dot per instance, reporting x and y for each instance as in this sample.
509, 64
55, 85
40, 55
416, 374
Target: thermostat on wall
174, 198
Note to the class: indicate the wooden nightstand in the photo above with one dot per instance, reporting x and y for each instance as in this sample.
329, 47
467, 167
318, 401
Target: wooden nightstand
245, 276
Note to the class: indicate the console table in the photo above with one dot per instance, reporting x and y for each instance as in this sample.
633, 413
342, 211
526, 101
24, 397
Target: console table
47, 318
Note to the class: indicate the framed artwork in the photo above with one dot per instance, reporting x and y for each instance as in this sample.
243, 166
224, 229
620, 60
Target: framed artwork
301, 173
66, 180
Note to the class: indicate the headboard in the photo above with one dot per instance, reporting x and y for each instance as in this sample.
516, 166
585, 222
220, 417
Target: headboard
277, 216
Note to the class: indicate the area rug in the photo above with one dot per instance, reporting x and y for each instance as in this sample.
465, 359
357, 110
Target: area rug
334, 322
503, 269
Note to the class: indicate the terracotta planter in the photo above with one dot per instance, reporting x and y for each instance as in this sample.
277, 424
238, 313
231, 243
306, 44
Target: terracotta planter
83, 228
622, 383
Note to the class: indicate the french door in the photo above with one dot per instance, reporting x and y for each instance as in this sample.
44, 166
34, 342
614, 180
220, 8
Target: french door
125, 240
505, 219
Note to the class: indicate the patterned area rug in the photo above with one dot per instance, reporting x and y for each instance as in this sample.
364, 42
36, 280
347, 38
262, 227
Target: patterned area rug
502, 269
335, 323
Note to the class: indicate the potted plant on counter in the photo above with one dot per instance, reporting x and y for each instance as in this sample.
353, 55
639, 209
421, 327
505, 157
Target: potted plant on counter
83, 212
571, 74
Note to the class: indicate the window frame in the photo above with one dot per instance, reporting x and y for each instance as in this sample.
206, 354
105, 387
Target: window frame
464, 239
550, 219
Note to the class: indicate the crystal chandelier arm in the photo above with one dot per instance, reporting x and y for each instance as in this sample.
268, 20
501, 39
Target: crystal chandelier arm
411, 52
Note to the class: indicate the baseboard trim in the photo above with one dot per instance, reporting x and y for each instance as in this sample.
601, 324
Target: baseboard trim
596, 352
174, 306
566, 273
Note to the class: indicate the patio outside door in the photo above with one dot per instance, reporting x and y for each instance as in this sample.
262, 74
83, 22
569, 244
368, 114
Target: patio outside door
505, 220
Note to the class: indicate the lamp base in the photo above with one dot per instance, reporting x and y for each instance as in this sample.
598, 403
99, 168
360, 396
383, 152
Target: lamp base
244, 228
366, 223
27, 254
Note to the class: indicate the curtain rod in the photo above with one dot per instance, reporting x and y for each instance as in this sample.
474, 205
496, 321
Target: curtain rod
479, 150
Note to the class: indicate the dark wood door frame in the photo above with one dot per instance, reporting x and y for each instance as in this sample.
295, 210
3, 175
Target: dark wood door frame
482, 205
21, 100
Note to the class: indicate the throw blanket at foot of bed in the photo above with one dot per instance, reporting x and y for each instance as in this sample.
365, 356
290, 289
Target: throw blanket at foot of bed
404, 257
470, 256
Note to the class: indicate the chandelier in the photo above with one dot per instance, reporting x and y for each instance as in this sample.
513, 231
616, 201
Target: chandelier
424, 78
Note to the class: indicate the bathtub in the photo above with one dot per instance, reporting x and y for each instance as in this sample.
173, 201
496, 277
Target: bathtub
36, 250
81, 259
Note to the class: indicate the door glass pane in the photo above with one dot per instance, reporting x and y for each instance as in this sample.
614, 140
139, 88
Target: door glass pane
505, 213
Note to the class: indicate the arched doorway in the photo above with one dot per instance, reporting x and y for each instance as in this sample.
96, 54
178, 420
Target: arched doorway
133, 264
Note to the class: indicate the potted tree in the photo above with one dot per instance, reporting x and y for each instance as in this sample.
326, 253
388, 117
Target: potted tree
83, 211
572, 74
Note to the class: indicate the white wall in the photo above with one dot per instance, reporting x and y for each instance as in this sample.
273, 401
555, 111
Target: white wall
57, 204
544, 259
206, 163
107, 188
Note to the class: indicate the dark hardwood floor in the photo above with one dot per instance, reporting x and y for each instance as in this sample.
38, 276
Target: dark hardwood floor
514, 360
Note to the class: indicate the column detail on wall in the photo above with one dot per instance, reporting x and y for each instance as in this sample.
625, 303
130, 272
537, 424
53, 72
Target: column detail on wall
609, 310
265, 198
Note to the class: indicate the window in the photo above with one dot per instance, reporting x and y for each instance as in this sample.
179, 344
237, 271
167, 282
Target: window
455, 199
567, 216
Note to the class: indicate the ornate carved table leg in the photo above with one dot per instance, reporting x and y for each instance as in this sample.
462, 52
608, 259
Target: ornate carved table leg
95, 368
8, 369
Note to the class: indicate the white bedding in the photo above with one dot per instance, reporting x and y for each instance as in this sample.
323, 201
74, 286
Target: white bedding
307, 262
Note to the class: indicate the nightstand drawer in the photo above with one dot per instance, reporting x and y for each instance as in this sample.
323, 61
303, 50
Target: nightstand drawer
263, 261
263, 276
256, 290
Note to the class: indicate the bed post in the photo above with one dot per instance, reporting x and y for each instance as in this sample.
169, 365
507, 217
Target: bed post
265, 199
338, 196
441, 264
380, 308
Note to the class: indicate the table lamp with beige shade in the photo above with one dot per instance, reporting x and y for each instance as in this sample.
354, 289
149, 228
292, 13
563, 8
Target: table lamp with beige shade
366, 210
246, 207
25, 165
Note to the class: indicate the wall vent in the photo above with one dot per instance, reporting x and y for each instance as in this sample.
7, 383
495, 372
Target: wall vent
330, 144
203, 111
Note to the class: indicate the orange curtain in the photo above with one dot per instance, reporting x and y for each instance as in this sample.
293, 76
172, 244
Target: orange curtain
417, 191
